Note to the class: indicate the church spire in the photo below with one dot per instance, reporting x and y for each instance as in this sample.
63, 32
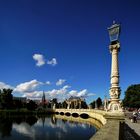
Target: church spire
43, 98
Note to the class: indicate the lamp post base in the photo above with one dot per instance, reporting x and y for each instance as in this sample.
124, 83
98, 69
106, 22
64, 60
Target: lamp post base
115, 106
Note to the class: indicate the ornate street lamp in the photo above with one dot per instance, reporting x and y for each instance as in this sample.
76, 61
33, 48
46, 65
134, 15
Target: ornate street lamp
114, 32
114, 47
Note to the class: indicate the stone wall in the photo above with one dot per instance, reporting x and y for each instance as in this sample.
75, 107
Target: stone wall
110, 131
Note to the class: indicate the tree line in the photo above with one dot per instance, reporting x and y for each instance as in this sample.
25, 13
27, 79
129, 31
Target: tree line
131, 100
8, 102
96, 103
132, 96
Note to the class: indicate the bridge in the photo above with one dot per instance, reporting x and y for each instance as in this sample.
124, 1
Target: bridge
89, 121
92, 113
106, 121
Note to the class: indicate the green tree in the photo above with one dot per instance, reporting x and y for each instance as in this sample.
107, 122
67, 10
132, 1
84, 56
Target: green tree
99, 102
17, 104
64, 104
6, 98
84, 105
132, 96
92, 104
54, 101
31, 105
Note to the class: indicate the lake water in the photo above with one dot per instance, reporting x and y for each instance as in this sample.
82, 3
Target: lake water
43, 128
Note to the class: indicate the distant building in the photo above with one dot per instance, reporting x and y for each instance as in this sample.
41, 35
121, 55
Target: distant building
43, 102
75, 102
22, 99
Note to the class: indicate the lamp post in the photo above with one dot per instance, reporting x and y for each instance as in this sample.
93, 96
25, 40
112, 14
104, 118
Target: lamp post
114, 47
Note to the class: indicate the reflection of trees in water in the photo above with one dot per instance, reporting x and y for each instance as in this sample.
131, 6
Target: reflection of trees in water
7, 121
5, 127
31, 120
19, 120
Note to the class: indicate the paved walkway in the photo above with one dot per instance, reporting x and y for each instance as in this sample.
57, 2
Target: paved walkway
132, 130
134, 126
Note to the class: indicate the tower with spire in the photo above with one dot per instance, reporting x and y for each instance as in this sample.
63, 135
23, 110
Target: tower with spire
43, 99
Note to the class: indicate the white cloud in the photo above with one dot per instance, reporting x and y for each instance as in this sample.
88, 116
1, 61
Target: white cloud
52, 62
83, 93
27, 86
61, 94
3, 85
33, 94
66, 87
31, 89
91, 94
40, 59
73, 93
48, 83
60, 82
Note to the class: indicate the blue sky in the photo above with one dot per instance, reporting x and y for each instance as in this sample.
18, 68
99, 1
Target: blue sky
44, 42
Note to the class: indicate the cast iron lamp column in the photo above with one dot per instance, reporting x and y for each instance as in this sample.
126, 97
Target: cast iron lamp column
114, 48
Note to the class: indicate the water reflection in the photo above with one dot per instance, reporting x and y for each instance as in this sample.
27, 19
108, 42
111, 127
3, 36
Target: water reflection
43, 127
5, 127
20, 124
24, 129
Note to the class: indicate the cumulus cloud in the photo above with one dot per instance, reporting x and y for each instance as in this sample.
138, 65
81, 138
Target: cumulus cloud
83, 93
66, 87
60, 82
33, 94
73, 93
40, 59
28, 89
52, 62
27, 86
3, 85
60, 94
32, 89
48, 83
